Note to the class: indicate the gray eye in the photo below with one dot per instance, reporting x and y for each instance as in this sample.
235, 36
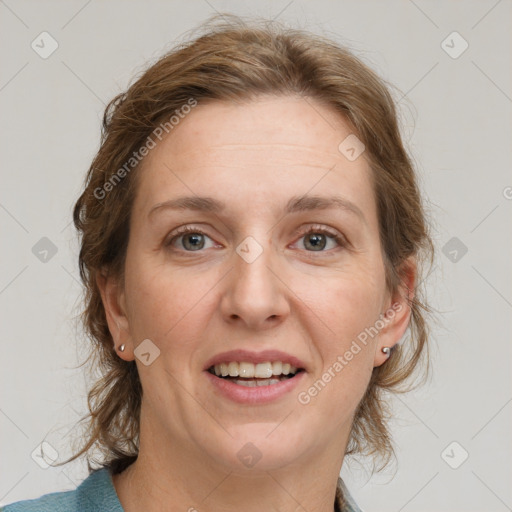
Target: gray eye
315, 241
193, 241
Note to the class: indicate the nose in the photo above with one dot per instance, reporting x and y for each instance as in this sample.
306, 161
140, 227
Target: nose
255, 294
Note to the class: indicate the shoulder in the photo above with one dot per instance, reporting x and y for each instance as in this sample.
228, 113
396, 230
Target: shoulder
344, 501
96, 493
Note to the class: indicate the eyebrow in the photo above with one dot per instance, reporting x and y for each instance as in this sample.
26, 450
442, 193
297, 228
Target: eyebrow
295, 204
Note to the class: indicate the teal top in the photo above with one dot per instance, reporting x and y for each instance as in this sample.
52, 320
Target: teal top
97, 494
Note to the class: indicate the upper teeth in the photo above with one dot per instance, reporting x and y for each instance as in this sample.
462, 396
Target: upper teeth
250, 370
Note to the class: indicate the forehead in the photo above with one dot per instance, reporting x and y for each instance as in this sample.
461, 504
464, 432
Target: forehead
302, 123
266, 150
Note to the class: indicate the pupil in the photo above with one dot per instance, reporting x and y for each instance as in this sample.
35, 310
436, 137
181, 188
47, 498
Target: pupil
197, 241
316, 240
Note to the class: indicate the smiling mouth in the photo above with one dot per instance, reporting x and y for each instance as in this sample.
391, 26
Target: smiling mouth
255, 375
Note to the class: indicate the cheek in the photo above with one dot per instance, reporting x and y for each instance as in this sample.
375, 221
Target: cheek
352, 306
164, 304
346, 304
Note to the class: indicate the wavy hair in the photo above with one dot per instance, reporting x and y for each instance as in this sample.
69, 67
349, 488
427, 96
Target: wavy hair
235, 60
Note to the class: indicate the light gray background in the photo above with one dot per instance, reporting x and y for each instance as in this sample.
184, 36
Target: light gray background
457, 123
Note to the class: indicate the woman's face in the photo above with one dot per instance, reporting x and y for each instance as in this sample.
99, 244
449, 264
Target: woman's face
248, 278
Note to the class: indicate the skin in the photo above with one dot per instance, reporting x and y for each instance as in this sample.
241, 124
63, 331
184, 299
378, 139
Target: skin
193, 305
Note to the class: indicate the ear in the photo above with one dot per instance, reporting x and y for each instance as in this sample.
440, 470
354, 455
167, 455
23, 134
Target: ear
114, 303
397, 312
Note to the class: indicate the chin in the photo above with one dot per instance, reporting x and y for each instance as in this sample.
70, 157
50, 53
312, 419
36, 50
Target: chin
258, 447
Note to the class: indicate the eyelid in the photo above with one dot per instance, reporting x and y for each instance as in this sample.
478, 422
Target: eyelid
339, 238
183, 230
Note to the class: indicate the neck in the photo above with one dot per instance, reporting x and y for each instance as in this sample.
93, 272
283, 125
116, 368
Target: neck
178, 474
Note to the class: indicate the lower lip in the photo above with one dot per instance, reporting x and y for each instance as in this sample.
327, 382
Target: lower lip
254, 395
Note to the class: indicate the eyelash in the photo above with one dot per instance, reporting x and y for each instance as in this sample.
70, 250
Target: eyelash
312, 229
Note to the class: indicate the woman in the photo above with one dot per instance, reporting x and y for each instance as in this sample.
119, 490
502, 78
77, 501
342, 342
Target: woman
252, 247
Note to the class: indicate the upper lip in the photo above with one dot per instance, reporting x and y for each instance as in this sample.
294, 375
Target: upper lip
246, 356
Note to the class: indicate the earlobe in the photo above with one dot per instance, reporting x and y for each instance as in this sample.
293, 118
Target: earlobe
397, 316
396, 320
115, 310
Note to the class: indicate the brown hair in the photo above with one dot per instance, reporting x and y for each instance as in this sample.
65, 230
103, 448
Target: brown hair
235, 60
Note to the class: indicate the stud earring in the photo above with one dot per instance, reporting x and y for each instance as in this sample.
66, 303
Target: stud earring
121, 348
386, 351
